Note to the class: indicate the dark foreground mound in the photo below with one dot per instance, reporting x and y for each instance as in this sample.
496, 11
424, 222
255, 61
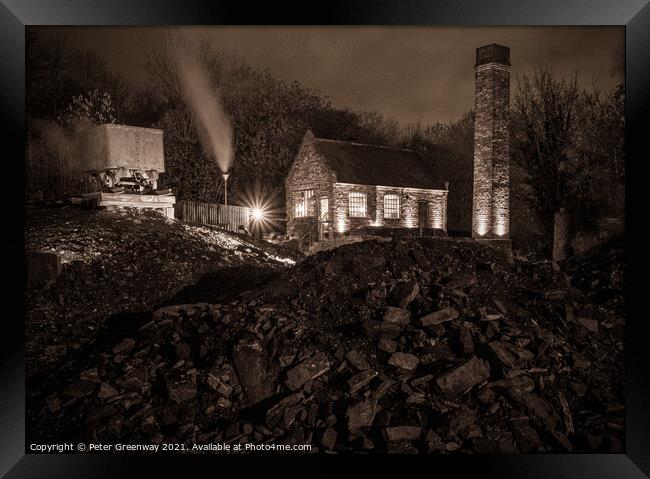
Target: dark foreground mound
121, 261
411, 345
600, 273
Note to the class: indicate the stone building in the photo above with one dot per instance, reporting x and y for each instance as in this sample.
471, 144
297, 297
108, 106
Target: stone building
336, 186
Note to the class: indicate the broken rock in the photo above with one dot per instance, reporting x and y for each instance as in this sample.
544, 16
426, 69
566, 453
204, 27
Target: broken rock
284, 409
180, 387
536, 406
53, 404
509, 354
80, 389
439, 317
399, 433
106, 391
398, 316
404, 293
217, 380
465, 339
441, 352
356, 360
254, 370
527, 438
387, 345
401, 447
307, 370
124, 346
472, 372
589, 324
358, 381
328, 440
405, 361
91, 375
381, 329
361, 414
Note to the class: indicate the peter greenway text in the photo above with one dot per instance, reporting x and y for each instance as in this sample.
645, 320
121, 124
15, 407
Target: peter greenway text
219, 447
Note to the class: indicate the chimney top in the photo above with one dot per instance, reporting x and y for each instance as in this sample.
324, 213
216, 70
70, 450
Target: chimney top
492, 53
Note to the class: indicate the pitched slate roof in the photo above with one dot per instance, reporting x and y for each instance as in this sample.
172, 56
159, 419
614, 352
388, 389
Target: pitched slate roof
376, 165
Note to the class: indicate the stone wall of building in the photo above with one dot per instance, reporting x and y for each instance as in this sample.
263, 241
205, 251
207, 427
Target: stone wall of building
491, 201
308, 172
340, 206
409, 199
406, 208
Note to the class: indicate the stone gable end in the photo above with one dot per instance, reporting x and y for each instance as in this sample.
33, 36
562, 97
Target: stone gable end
308, 172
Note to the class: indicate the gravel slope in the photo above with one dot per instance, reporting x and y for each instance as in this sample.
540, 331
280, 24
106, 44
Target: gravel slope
122, 261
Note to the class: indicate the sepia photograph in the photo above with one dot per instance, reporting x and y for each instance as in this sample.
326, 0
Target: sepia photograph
325, 239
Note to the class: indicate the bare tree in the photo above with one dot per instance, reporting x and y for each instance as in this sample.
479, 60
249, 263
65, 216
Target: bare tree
570, 143
544, 118
599, 167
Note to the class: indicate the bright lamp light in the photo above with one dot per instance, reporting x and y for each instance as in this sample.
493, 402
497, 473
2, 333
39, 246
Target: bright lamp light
257, 214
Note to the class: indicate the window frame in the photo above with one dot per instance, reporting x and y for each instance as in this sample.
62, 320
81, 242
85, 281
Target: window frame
356, 208
323, 218
395, 208
305, 200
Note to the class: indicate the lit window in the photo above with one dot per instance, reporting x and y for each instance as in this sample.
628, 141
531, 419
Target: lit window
391, 206
324, 210
357, 205
304, 204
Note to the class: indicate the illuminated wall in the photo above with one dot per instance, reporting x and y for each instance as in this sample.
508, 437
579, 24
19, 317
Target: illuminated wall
438, 212
409, 210
491, 196
308, 172
409, 199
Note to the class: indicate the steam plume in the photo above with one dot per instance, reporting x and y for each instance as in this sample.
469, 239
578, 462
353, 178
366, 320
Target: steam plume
203, 98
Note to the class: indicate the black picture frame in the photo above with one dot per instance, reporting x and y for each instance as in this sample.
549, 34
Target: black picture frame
633, 14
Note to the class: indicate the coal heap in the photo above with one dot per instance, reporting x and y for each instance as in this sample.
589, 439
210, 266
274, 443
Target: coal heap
600, 273
123, 261
415, 345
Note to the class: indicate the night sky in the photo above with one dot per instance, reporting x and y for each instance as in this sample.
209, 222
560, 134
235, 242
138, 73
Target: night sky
414, 74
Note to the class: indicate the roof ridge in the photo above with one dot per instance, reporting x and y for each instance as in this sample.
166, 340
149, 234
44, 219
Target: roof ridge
356, 143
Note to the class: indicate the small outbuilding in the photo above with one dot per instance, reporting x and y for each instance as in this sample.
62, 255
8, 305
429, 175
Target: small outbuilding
334, 187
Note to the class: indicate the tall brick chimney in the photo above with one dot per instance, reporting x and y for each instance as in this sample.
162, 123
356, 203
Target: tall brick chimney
491, 198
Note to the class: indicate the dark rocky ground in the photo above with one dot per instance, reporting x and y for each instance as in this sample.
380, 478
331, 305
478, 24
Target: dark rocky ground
126, 261
410, 345
599, 274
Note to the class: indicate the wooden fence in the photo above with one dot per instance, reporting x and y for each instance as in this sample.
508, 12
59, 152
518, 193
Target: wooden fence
224, 216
